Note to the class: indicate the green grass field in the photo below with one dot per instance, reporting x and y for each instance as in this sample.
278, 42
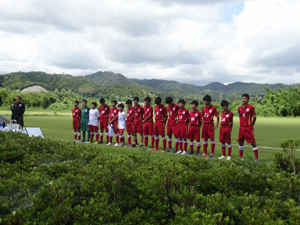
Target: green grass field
269, 132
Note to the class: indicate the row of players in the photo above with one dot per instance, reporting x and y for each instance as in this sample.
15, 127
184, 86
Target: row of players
181, 123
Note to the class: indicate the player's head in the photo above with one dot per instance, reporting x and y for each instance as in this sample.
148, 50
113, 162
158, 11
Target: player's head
245, 98
194, 104
84, 103
207, 100
121, 107
128, 103
136, 100
18, 99
147, 100
93, 105
14, 101
169, 100
181, 103
102, 101
158, 101
76, 103
114, 103
224, 105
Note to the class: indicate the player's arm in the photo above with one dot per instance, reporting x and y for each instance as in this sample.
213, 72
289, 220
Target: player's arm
147, 118
253, 120
166, 115
231, 122
114, 119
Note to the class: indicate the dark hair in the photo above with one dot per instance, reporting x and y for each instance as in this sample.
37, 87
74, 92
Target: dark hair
158, 100
181, 101
102, 100
129, 102
114, 101
147, 99
136, 99
169, 100
84, 101
19, 97
224, 102
94, 103
14, 100
246, 95
195, 103
121, 106
207, 98
76, 102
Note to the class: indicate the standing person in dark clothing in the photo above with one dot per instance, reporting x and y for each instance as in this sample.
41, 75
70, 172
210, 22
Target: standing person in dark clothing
18, 112
12, 107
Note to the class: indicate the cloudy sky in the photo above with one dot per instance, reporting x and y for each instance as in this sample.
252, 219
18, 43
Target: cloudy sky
192, 41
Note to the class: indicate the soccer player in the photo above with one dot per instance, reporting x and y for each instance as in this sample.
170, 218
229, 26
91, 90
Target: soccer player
148, 122
172, 127
104, 117
85, 110
161, 116
121, 123
225, 130
76, 113
18, 112
113, 116
129, 122
138, 115
194, 130
247, 120
94, 117
208, 129
183, 117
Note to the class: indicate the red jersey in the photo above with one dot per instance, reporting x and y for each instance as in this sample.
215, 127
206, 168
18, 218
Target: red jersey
148, 111
76, 113
195, 118
104, 111
138, 114
246, 113
209, 113
113, 113
226, 118
173, 109
160, 113
130, 114
183, 115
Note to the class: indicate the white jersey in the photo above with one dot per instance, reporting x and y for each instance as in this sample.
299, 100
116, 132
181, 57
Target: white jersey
93, 117
122, 120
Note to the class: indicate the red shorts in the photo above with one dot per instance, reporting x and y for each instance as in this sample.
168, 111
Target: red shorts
93, 128
129, 127
148, 128
208, 131
76, 124
121, 131
248, 134
103, 123
194, 133
138, 128
115, 124
225, 134
171, 129
182, 130
159, 129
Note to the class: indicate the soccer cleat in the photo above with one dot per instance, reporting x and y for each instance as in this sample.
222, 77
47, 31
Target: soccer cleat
95, 142
74, 140
184, 153
83, 140
203, 155
175, 151
78, 141
100, 142
109, 144
169, 150
256, 160
222, 157
179, 152
242, 159
150, 149
211, 156
228, 158
116, 145
121, 144
191, 153
154, 149
197, 154
162, 150
88, 142
128, 146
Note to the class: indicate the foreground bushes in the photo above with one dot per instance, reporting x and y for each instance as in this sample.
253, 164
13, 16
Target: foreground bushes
58, 183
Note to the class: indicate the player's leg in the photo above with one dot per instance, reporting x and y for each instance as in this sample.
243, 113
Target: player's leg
222, 141
250, 138
141, 134
169, 134
91, 128
96, 130
212, 141
146, 134
121, 135
180, 145
75, 130
162, 133
151, 133
175, 132
101, 130
241, 141
78, 135
205, 140
191, 146
156, 134
229, 146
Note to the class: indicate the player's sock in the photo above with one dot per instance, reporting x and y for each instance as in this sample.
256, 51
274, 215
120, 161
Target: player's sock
192, 146
241, 150
92, 137
97, 136
152, 141
129, 139
205, 147
75, 135
255, 151
229, 149
198, 146
180, 145
117, 138
185, 145
176, 144
213, 145
79, 136
101, 137
83, 135
146, 140
156, 141
223, 150
107, 138
164, 139
170, 143
88, 135
133, 144
122, 138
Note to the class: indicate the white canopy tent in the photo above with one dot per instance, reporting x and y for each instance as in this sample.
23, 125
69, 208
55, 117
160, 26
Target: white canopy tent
4, 120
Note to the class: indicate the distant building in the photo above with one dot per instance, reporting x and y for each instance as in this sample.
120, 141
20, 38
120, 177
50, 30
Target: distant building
35, 88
